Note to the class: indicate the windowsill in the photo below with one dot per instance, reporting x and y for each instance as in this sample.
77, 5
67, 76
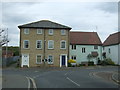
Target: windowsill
63, 48
50, 63
26, 48
50, 48
39, 48
63, 34
50, 34
39, 33
38, 63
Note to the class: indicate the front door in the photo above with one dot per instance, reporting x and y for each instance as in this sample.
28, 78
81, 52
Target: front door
25, 60
63, 60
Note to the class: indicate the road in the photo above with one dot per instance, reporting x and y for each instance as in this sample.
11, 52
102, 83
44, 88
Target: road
76, 77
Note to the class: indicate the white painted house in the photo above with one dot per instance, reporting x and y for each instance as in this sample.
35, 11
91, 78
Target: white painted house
84, 43
111, 47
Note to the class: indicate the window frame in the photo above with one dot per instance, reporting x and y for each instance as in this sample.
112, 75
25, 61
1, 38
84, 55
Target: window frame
61, 44
64, 32
95, 46
37, 43
52, 59
73, 57
24, 44
73, 47
25, 30
41, 59
49, 44
83, 50
49, 32
109, 50
41, 31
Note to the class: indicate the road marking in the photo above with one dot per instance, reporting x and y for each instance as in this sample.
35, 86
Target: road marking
34, 84
73, 82
28, 83
66, 74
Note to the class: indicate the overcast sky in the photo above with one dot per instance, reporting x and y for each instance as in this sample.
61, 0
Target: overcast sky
101, 17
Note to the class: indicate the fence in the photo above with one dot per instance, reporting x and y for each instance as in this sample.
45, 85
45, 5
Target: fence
7, 61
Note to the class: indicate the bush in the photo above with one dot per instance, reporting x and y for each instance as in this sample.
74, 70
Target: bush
69, 64
71, 61
107, 61
90, 63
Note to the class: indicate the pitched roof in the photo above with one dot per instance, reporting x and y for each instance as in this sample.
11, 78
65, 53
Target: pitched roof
113, 39
45, 24
85, 38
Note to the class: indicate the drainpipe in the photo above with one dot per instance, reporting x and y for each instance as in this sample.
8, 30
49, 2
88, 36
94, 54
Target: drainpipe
44, 47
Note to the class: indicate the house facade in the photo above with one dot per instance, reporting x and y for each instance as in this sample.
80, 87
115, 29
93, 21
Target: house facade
44, 43
111, 47
83, 44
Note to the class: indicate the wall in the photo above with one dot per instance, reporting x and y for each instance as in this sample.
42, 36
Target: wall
32, 51
113, 52
81, 57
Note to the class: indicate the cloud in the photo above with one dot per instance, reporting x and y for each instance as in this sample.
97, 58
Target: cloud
83, 16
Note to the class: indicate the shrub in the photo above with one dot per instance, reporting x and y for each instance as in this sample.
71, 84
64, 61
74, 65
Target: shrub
71, 61
90, 63
69, 64
107, 61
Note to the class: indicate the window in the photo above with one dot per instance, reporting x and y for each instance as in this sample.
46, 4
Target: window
73, 57
39, 44
26, 31
50, 44
109, 50
63, 32
63, 44
26, 44
39, 31
73, 47
39, 59
50, 59
83, 50
95, 47
50, 31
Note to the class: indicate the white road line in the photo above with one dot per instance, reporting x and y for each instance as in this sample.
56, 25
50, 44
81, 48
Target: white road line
66, 74
28, 83
73, 82
34, 84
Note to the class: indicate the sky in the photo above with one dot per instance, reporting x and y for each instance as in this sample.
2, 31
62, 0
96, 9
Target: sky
100, 17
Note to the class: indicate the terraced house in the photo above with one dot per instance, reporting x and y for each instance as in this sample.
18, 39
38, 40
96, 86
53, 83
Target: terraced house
44, 42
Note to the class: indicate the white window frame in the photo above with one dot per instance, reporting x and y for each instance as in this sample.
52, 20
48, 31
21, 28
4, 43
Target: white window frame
73, 57
37, 42
96, 47
73, 47
49, 44
52, 60
40, 30
25, 30
50, 32
36, 58
24, 44
61, 44
83, 50
62, 32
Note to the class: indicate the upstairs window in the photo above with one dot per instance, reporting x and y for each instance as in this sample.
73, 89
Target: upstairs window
95, 47
50, 44
26, 31
73, 47
26, 44
63, 32
39, 31
63, 44
50, 59
109, 50
39, 59
83, 50
50, 31
39, 44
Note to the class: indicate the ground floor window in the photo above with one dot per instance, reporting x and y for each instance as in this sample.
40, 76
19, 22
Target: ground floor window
38, 59
73, 57
50, 59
